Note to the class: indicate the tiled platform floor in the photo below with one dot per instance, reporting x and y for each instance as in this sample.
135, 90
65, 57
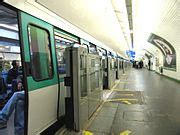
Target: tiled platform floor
142, 103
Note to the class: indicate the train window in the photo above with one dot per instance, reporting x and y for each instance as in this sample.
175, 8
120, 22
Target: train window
92, 48
104, 52
94, 74
92, 62
11, 77
61, 44
82, 62
9, 48
40, 53
83, 75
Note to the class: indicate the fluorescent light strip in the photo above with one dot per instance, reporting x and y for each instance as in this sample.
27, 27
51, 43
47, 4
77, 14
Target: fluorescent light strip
10, 27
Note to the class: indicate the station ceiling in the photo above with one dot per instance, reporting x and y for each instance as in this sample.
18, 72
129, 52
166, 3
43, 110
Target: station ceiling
153, 16
116, 22
95, 17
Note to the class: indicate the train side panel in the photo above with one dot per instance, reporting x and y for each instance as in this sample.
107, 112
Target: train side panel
41, 72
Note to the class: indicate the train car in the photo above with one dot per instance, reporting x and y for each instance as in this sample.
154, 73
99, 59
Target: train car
37, 40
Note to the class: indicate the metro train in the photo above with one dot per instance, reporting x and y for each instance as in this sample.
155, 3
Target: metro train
64, 69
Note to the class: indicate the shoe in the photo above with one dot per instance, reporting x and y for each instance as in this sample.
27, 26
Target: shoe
3, 124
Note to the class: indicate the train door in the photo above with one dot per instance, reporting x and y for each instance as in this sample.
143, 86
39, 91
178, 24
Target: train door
40, 70
62, 41
11, 76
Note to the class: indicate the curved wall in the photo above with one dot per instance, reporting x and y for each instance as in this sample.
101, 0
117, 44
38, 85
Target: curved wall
169, 29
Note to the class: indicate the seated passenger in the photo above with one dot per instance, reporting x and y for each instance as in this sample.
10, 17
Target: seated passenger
16, 83
2, 86
16, 102
13, 72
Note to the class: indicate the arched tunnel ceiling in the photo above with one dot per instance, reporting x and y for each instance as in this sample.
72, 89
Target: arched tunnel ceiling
155, 16
165, 47
95, 17
150, 49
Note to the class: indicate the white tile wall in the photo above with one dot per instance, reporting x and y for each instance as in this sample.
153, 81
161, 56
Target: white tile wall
169, 29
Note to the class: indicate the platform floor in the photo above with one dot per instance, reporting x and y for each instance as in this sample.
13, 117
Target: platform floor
142, 103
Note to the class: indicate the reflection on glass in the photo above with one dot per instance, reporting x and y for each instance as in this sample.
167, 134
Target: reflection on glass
40, 53
60, 52
83, 75
83, 85
95, 74
92, 49
61, 44
11, 91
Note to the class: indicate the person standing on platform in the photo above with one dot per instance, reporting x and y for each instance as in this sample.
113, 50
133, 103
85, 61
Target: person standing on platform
149, 64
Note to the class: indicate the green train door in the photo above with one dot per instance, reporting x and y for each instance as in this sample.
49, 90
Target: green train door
40, 73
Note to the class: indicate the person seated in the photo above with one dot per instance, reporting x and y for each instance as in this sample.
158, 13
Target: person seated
16, 83
9, 107
13, 72
3, 87
16, 102
3, 92
19, 118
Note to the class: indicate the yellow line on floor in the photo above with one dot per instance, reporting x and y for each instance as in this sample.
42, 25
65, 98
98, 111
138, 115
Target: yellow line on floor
121, 99
87, 133
93, 117
121, 90
127, 132
126, 94
127, 102
83, 102
99, 108
127, 82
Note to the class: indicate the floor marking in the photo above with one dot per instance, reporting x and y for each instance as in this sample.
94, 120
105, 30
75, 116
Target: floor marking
111, 90
121, 99
93, 116
120, 89
126, 94
87, 133
100, 107
127, 102
127, 132
127, 82
106, 94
